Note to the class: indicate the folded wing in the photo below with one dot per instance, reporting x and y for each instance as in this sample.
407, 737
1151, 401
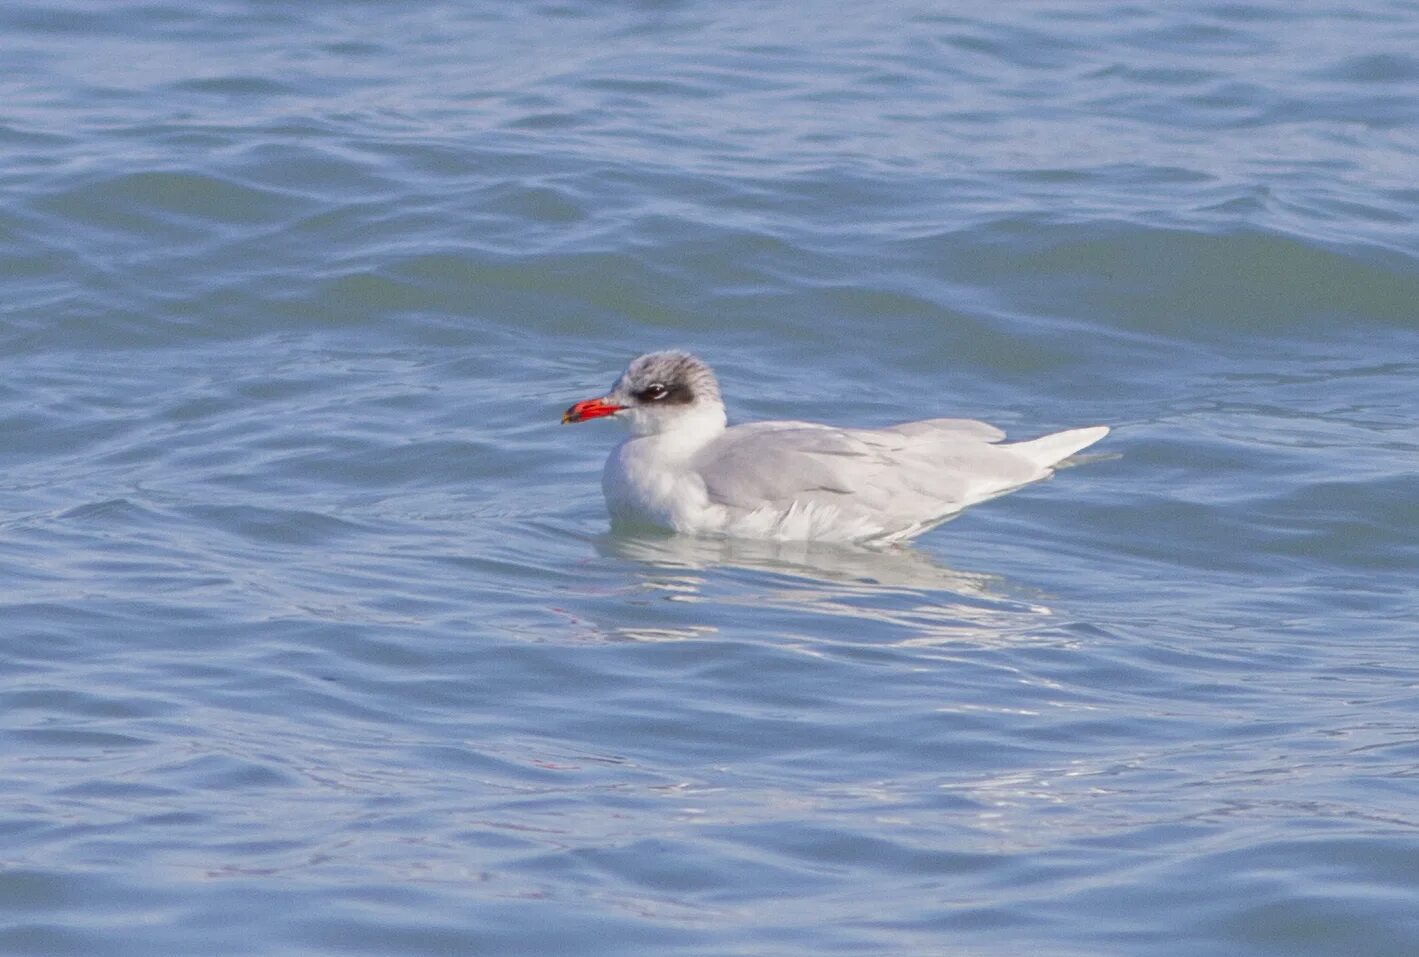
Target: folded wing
884, 482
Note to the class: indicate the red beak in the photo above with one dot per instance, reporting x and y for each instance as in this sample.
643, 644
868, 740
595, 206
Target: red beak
590, 409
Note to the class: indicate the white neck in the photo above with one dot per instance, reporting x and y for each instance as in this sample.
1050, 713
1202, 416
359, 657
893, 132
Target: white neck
686, 432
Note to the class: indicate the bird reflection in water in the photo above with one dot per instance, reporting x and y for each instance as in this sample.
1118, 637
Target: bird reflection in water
929, 603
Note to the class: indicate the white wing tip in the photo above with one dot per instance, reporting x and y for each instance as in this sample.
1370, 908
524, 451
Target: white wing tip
1051, 449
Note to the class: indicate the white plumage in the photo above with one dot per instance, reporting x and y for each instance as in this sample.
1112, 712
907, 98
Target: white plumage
683, 469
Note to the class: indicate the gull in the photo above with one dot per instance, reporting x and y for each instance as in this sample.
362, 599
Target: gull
684, 469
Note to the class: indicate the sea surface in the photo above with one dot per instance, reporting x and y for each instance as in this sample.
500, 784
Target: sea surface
314, 639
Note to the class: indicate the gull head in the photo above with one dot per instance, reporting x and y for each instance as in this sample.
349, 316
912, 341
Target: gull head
659, 392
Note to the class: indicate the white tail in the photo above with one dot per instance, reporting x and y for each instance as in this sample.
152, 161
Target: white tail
1052, 449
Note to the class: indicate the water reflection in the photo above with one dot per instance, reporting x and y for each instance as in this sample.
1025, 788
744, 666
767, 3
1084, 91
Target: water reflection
928, 602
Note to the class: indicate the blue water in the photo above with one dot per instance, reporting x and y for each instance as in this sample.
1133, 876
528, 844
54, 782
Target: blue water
313, 639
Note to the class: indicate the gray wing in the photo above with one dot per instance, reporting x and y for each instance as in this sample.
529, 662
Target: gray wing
896, 477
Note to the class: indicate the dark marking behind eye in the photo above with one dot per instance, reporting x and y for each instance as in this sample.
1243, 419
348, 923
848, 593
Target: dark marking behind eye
675, 394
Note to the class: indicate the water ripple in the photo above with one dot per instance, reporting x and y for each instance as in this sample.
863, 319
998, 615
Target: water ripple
314, 639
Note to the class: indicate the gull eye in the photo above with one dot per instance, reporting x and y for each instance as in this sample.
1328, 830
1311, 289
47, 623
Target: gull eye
655, 392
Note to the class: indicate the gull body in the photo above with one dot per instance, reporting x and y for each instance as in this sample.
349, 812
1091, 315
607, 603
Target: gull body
684, 469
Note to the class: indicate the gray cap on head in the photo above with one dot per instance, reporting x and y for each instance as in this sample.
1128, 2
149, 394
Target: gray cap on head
668, 378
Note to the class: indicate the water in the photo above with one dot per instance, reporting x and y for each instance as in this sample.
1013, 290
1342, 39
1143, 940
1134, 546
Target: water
312, 636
